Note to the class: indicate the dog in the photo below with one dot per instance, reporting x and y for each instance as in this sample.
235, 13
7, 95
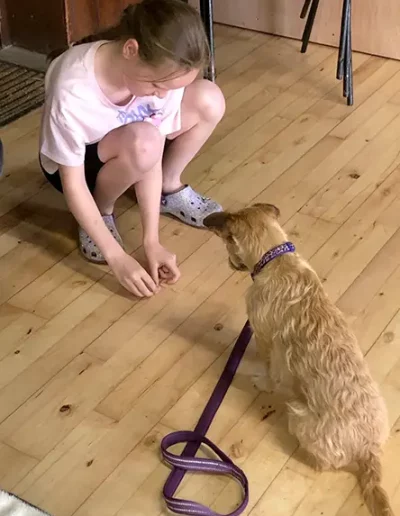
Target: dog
311, 356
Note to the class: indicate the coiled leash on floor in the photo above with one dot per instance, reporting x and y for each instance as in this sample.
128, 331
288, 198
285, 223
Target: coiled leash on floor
187, 461
194, 438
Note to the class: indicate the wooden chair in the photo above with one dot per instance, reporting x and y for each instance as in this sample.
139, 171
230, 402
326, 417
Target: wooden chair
345, 63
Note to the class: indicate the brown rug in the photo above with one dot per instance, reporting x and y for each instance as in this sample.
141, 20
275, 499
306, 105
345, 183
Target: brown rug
21, 91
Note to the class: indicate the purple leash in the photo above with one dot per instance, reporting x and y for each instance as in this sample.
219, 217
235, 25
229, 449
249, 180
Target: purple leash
187, 461
194, 438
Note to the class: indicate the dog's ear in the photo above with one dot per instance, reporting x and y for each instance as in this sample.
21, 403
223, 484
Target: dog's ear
269, 209
216, 221
218, 224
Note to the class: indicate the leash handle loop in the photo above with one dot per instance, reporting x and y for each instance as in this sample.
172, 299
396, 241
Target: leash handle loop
224, 466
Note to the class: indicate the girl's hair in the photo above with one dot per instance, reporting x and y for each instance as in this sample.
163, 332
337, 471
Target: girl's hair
164, 30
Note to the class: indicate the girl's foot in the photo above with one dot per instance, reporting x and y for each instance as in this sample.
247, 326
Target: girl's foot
89, 249
188, 206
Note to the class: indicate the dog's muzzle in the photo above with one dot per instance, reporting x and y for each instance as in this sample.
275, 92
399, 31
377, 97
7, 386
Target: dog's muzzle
237, 266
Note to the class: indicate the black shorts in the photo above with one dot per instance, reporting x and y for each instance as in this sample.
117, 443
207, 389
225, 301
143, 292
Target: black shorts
92, 168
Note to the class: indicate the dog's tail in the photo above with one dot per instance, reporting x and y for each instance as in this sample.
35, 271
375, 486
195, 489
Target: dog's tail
370, 477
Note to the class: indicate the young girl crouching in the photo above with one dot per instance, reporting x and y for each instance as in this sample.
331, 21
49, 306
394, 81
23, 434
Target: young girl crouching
131, 112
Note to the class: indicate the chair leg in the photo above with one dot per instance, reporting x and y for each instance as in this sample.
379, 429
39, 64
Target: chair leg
346, 53
305, 8
345, 61
349, 60
309, 25
342, 42
206, 9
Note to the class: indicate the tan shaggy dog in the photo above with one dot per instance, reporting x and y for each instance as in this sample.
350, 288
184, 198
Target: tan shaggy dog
312, 358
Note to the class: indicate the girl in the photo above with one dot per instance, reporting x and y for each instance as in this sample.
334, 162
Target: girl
110, 107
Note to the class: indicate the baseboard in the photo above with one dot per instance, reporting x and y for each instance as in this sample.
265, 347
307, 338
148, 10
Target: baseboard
22, 57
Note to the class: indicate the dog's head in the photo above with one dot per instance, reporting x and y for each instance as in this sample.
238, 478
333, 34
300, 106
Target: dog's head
247, 233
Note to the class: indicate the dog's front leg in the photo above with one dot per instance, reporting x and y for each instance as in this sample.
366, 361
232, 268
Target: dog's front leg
263, 383
262, 379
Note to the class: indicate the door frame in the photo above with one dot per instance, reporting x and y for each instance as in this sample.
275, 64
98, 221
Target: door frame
4, 32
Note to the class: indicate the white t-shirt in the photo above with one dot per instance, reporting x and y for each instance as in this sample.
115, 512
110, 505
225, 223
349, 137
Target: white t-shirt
77, 113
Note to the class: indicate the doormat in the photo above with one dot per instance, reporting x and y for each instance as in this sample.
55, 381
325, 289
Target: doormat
21, 91
11, 505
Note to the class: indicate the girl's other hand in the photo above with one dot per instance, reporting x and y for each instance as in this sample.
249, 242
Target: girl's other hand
133, 276
162, 264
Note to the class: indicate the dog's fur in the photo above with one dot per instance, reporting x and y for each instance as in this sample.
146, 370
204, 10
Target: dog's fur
312, 358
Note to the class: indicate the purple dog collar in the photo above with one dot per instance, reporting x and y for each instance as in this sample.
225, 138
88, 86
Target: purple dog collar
273, 253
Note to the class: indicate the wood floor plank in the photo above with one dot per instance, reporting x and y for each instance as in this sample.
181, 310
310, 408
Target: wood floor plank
77, 449
173, 362
52, 393
14, 466
353, 230
351, 186
126, 479
284, 494
371, 322
36, 344
303, 186
32, 379
19, 329
340, 276
21, 127
369, 283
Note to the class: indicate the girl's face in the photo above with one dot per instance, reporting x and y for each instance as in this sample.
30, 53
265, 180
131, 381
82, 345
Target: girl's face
143, 80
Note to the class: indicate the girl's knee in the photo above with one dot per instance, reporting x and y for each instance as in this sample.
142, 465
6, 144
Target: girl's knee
142, 145
207, 99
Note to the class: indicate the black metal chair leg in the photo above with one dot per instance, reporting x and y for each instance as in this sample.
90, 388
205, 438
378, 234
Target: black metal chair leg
349, 59
346, 51
342, 42
206, 9
309, 25
305, 9
345, 61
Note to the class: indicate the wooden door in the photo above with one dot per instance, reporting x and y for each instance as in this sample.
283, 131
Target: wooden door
47, 25
4, 35
87, 17
37, 25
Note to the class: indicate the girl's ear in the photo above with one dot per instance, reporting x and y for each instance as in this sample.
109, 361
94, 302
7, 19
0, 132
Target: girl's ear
130, 48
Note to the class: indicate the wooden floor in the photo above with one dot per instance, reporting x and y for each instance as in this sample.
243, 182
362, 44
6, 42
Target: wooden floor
91, 379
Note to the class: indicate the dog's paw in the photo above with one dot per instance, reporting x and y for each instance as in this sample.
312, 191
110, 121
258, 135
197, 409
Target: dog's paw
261, 383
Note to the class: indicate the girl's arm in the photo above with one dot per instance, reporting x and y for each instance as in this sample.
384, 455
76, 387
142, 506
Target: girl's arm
162, 263
83, 207
148, 194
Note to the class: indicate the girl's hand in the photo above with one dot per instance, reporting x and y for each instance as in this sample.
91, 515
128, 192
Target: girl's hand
132, 276
162, 264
